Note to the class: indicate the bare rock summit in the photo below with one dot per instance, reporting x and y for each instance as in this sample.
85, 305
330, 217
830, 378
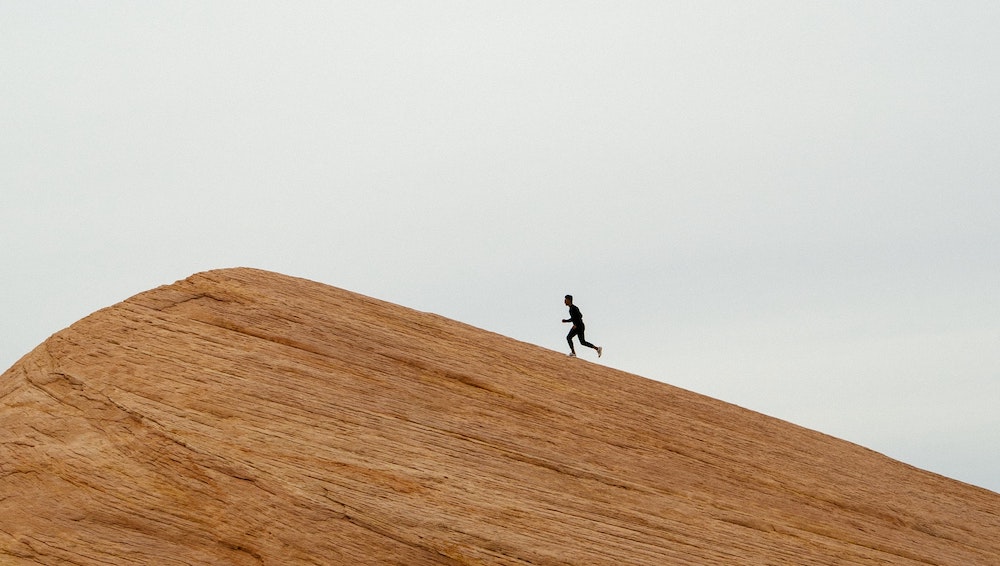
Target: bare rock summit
246, 417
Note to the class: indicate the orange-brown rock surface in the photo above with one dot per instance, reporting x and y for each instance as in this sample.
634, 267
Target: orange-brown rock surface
246, 417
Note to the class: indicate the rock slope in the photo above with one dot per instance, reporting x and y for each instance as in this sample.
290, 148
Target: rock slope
247, 417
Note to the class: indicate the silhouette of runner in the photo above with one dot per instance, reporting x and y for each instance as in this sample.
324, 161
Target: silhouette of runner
576, 317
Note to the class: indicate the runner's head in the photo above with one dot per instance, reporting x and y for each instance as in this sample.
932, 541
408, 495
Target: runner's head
569, 300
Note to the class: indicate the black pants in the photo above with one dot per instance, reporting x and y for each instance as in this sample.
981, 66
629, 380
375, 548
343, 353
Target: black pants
578, 331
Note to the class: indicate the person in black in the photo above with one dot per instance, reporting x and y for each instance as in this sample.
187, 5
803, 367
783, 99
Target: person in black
576, 317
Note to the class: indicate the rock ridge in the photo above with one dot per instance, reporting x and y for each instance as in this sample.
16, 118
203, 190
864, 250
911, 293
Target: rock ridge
247, 417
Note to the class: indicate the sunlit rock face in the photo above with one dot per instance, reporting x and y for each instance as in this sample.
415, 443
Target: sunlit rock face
246, 417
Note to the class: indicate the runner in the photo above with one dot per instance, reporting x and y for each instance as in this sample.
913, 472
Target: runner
576, 317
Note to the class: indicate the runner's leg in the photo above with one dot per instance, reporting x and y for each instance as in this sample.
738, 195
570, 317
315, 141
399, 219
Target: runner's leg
583, 341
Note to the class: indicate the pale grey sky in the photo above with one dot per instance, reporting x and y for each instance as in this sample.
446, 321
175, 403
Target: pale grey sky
790, 206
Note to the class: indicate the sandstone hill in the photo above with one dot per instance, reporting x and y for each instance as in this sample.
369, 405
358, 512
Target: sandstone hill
246, 417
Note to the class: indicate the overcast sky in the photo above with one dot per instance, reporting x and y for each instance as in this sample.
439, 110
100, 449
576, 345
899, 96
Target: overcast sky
790, 206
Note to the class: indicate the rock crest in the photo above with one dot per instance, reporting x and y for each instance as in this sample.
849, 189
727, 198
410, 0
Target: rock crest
246, 417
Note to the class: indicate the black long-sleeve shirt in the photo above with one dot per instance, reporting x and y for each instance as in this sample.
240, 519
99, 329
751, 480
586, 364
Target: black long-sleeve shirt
575, 316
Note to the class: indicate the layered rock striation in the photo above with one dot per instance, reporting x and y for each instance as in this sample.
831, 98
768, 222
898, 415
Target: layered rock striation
246, 417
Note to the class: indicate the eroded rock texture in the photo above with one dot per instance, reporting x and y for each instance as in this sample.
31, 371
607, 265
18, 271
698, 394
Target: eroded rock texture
246, 417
